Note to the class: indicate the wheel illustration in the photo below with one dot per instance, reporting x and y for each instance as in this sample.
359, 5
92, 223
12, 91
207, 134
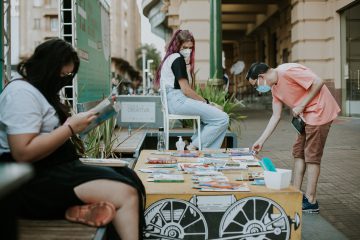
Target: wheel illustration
174, 219
255, 218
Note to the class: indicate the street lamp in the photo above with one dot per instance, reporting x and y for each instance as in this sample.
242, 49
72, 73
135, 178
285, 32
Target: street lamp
148, 70
143, 53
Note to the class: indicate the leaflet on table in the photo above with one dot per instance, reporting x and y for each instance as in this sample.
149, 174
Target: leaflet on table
156, 171
192, 167
162, 177
245, 157
185, 154
161, 160
238, 150
217, 155
250, 176
224, 187
105, 110
112, 162
218, 178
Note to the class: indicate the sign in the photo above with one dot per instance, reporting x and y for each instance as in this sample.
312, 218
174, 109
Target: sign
93, 45
138, 112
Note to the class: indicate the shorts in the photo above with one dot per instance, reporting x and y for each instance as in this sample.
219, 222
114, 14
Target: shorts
310, 145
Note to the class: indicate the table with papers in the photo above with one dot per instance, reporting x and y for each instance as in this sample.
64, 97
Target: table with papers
185, 210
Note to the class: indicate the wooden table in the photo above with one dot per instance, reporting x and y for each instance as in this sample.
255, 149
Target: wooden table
178, 211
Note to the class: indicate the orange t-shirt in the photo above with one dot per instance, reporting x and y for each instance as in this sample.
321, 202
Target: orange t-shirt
294, 82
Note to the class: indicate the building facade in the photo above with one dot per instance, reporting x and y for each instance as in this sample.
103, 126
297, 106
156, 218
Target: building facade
323, 35
125, 27
37, 21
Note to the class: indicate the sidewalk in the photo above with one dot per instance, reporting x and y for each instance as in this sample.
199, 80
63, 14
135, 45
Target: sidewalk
339, 183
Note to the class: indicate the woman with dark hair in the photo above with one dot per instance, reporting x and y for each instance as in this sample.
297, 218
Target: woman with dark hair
36, 128
182, 99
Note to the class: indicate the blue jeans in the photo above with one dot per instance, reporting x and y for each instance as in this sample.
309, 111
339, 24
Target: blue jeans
214, 122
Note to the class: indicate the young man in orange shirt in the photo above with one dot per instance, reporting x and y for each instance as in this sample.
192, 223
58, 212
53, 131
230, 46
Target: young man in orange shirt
304, 92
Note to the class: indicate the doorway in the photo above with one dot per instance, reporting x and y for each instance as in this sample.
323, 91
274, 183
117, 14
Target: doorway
351, 61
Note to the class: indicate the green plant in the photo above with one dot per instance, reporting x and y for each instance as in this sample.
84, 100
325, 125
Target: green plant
230, 105
99, 142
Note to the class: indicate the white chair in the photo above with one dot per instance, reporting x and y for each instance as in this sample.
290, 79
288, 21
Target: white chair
168, 117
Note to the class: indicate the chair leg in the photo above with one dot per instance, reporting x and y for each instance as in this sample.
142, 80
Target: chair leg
199, 132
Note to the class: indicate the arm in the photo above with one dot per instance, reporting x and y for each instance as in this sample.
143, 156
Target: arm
313, 91
273, 122
188, 91
33, 146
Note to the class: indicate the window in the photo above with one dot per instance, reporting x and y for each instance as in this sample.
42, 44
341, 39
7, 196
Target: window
54, 24
36, 23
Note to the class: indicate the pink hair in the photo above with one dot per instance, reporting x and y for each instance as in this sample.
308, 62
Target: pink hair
178, 38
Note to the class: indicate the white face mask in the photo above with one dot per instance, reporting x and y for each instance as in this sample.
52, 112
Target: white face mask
186, 52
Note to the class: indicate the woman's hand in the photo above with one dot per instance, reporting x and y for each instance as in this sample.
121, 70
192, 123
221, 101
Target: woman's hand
257, 146
80, 121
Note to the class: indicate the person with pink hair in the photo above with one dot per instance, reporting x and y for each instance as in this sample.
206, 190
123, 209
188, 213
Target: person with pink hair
173, 78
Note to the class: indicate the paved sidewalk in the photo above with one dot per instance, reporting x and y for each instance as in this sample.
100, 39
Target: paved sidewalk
339, 183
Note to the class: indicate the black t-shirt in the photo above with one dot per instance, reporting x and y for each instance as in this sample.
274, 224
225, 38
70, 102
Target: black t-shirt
178, 67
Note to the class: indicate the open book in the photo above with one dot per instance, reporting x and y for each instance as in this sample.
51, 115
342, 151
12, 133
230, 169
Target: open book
105, 110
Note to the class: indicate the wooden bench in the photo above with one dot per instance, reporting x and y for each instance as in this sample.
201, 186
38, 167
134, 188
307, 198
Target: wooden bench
59, 230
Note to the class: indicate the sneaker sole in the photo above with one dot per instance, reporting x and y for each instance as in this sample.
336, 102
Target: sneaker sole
312, 211
95, 215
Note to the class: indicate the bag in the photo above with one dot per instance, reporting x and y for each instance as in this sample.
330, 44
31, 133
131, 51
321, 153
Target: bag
298, 124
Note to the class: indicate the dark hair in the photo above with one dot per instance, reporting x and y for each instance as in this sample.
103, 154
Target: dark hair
179, 37
256, 69
43, 69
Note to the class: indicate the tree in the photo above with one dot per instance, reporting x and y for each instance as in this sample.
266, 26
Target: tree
151, 53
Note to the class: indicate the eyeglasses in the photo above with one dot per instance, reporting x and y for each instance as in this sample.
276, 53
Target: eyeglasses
70, 74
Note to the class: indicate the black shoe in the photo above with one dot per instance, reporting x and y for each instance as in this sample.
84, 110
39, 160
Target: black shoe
308, 207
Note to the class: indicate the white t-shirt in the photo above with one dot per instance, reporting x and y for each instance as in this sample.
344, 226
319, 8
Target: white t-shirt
173, 69
23, 109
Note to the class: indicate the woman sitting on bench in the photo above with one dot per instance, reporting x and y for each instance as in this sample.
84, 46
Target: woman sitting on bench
35, 128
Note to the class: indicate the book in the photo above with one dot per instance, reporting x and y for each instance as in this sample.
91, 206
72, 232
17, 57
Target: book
112, 162
299, 124
105, 110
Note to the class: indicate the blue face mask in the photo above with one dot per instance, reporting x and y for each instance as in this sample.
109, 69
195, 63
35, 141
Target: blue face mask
263, 88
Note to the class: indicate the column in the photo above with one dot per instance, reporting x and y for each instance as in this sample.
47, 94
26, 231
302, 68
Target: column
216, 72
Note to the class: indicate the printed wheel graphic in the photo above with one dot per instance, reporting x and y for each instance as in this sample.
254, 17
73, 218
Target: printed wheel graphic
255, 218
174, 219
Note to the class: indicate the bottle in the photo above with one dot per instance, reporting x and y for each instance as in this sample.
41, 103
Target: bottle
161, 140
129, 130
180, 144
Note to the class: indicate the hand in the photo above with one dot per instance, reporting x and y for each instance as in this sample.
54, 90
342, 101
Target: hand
257, 146
80, 121
217, 106
296, 111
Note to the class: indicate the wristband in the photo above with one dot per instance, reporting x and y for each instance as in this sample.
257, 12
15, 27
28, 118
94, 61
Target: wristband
71, 130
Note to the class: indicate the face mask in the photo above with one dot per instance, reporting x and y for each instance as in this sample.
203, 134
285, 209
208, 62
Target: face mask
185, 52
263, 88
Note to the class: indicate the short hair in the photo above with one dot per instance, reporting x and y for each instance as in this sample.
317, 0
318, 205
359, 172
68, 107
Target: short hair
256, 69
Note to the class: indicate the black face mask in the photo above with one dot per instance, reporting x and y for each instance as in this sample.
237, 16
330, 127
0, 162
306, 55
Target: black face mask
62, 82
